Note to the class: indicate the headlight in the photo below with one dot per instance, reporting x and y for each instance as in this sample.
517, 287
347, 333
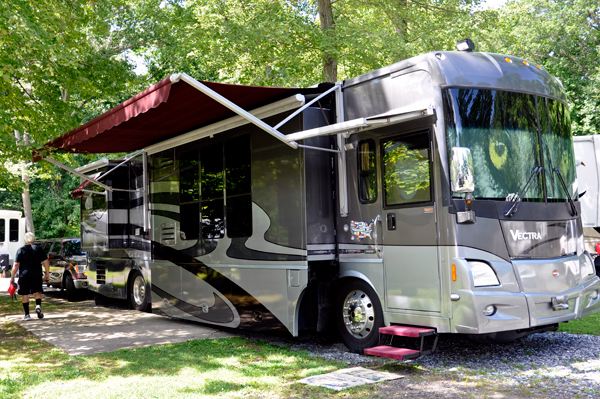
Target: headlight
81, 268
587, 267
483, 274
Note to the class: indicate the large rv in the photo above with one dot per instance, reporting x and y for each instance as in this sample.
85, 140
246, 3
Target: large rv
12, 236
437, 194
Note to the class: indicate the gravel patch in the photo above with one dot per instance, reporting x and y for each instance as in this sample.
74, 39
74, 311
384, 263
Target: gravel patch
553, 365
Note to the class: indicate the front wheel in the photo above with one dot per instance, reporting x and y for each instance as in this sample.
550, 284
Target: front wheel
70, 288
138, 296
358, 315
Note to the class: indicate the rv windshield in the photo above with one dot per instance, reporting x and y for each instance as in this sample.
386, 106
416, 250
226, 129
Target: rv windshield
502, 130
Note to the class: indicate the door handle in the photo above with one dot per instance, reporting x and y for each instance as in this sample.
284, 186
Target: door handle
391, 221
377, 219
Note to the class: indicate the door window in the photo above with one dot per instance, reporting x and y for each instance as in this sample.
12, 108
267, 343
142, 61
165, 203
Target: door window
407, 170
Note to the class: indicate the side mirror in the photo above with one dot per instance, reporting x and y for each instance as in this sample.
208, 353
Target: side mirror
462, 177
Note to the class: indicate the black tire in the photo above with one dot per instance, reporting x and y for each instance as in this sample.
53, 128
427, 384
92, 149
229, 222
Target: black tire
70, 288
358, 304
137, 293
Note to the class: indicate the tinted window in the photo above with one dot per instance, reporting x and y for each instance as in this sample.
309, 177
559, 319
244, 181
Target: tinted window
189, 177
500, 128
367, 179
211, 191
2, 230
407, 170
14, 230
189, 195
238, 187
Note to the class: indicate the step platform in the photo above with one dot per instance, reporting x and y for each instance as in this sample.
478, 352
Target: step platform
393, 353
407, 331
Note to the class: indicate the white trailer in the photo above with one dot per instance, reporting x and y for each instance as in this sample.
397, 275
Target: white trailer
12, 236
587, 157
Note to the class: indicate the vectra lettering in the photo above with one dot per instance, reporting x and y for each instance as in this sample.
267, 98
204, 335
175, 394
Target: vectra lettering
525, 235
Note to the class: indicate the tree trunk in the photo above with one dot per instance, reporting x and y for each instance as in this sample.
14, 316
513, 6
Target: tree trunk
327, 26
25, 195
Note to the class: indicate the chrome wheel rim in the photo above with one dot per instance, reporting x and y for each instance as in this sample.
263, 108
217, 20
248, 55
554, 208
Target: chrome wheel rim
359, 314
139, 290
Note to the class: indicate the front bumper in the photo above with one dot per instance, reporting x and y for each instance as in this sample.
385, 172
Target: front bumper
519, 311
81, 284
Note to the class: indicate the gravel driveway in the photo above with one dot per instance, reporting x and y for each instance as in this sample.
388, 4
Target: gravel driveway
549, 365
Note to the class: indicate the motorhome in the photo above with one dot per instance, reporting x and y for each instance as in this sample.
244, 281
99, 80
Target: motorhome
12, 236
434, 195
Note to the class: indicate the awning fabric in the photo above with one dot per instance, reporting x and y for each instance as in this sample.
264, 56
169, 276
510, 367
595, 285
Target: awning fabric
160, 112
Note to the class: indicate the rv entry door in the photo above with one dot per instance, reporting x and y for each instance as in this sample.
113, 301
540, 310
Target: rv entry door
408, 223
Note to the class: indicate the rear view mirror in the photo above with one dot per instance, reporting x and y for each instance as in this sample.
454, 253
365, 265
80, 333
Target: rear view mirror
461, 170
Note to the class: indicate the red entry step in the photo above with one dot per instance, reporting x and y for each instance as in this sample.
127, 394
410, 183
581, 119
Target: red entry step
406, 331
393, 353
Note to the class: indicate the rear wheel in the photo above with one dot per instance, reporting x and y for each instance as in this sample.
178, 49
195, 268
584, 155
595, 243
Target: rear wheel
358, 315
138, 297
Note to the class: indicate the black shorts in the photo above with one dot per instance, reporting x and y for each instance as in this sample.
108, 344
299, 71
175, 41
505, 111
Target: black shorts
30, 282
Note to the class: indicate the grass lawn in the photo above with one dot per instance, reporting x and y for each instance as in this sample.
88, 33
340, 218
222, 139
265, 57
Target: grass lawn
218, 368
587, 325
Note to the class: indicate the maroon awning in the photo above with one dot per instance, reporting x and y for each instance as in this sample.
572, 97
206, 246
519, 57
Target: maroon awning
160, 112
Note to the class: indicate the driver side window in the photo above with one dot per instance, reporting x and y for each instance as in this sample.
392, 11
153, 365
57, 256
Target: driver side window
407, 170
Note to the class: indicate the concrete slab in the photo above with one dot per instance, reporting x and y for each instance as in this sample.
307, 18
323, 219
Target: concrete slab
99, 330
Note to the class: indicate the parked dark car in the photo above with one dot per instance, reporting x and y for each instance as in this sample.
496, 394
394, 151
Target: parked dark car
68, 265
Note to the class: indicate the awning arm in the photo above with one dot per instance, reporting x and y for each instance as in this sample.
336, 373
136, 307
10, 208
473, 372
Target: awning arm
127, 159
71, 170
338, 86
311, 147
356, 125
238, 110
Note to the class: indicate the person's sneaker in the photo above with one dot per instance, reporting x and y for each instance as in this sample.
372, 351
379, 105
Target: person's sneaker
26, 318
38, 310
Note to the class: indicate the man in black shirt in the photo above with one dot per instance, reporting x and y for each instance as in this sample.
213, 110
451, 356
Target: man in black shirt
28, 262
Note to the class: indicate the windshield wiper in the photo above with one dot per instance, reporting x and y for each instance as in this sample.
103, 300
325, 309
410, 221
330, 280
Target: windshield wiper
564, 186
516, 197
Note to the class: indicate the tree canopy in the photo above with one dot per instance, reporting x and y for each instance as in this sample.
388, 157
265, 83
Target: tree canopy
66, 61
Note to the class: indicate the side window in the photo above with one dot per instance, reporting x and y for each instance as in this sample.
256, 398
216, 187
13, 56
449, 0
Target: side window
367, 176
407, 170
238, 186
2, 230
211, 191
189, 195
14, 230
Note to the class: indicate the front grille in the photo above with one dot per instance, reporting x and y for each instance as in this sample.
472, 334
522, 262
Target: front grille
100, 272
